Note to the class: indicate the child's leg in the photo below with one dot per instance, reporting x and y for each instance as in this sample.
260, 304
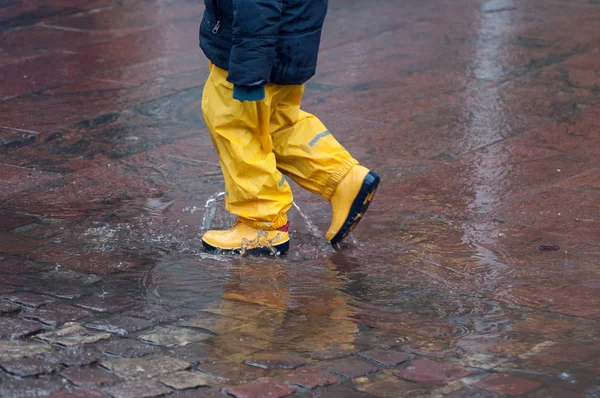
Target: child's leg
305, 150
256, 191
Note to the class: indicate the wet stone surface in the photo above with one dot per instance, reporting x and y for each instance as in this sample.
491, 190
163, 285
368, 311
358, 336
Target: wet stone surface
263, 387
86, 377
137, 389
28, 367
311, 378
275, 361
56, 315
171, 336
185, 380
426, 371
386, 358
478, 254
144, 368
18, 349
14, 328
120, 325
73, 334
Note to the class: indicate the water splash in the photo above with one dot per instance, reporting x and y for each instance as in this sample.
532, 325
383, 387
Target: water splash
312, 228
210, 210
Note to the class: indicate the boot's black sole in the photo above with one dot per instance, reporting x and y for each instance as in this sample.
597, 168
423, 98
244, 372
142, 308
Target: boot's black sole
359, 206
282, 248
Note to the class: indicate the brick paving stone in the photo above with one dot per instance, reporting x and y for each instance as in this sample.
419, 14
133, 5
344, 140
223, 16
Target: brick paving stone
28, 367
144, 368
106, 304
509, 385
184, 380
73, 356
386, 358
119, 324
55, 315
73, 334
28, 388
20, 349
426, 371
351, 367
474, 392
276, 361
14, 328
195, 353
87, 377
263, 387
171, 336
8, 308
126, 348
137, 389
392, 388
231, 372
311, 378
28, 299
84, 393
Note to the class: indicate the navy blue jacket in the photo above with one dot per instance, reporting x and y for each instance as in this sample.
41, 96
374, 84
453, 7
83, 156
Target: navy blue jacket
263, 41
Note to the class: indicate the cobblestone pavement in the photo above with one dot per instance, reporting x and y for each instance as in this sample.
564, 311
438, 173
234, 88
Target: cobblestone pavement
475, 274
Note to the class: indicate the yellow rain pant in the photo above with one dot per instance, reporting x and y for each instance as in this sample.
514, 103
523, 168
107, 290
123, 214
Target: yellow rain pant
259, 142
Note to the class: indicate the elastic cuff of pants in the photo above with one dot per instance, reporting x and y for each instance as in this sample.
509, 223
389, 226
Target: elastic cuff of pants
273, 225
338, 176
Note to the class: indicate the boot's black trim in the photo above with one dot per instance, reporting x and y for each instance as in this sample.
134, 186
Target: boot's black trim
359, 206
282, 248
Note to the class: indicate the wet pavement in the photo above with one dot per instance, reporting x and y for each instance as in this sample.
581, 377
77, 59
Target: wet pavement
475, 274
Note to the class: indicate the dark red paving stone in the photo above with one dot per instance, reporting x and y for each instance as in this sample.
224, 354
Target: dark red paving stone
473, 392
28, 367
8, 308
137, 389
83, 393
11, 220
426, 371
13, 328
263, 387
56, 315
125, 348
350, 368
509, 385
28, 299
18, 265
29, 388
276, 361
121, 325
557, 393
87, 377
310, 378
386, 358
17, 245
106, 304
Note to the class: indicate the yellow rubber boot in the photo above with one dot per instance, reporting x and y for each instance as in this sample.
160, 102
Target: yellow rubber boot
350, 200
245, 239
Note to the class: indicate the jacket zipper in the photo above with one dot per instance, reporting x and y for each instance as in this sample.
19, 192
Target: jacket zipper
217, 26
